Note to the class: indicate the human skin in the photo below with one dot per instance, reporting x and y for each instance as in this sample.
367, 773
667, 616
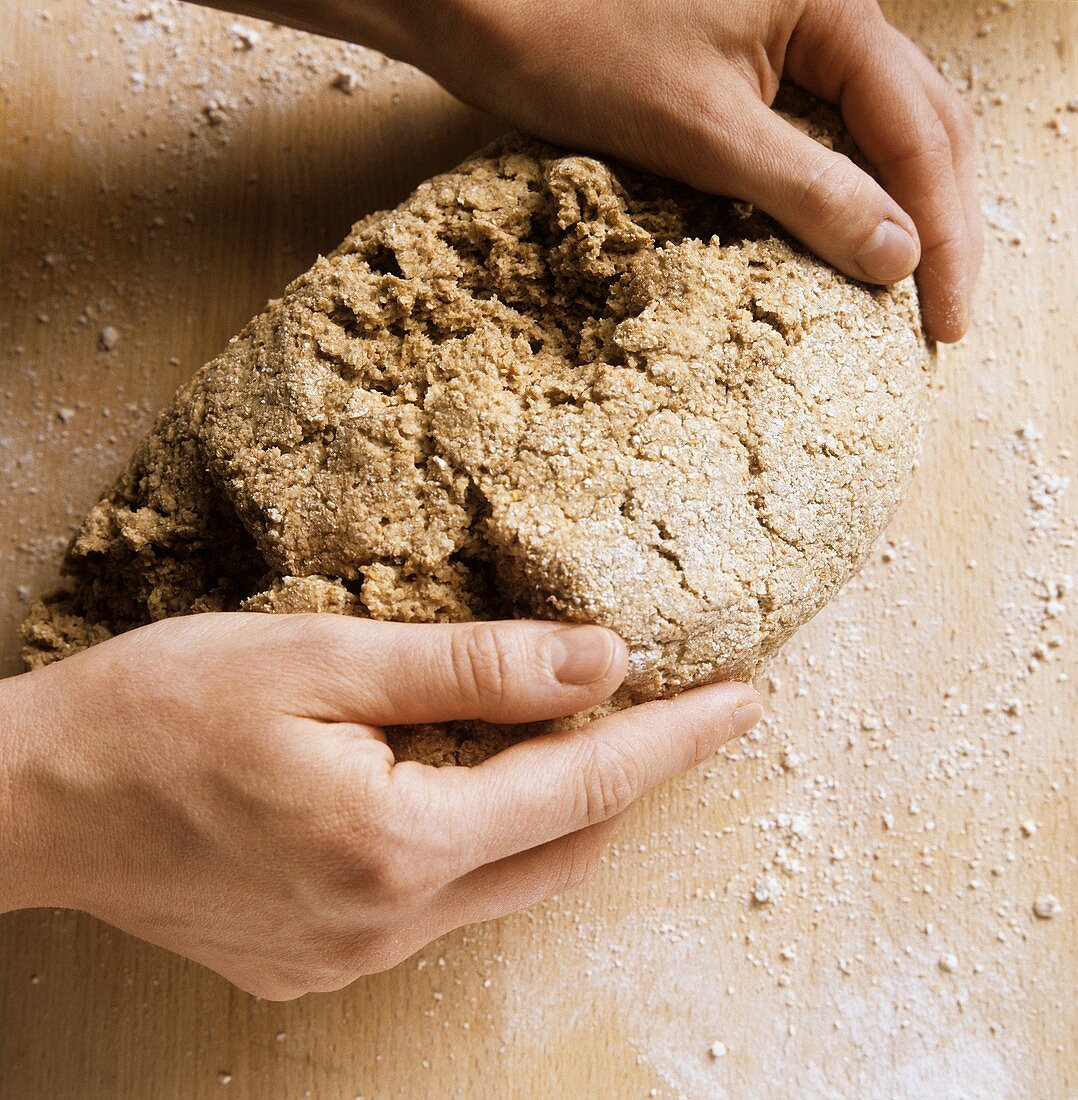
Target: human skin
684, 89
221, 784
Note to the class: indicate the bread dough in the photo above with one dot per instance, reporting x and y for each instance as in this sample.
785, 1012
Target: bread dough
542, 386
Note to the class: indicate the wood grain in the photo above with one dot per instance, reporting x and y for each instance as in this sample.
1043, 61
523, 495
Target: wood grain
159, 181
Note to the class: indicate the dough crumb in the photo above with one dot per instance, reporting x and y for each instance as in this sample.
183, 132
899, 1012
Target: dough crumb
1047, 906
766, 890
948, 963
346, 81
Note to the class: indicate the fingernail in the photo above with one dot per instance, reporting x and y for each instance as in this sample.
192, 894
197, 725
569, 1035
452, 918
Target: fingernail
745, 717
580, 654
888, 255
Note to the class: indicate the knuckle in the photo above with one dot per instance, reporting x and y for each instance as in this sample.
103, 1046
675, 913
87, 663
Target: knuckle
394, 885
831, 188
383, 951
579, 864
318, 979
929, 152
482, 662
304, 633
330, 982
388, 856
957, 120
285, 981
977, 238
965, 124
330, 977
862, 10
356, 866
304, 651
937, 143
329, 965
612, 783
950, 242
328, 961
403, 884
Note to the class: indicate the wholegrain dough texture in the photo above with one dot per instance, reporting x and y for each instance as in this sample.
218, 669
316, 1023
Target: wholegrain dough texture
542, 386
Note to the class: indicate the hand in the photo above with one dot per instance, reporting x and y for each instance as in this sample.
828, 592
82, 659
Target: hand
684, 89
221, 785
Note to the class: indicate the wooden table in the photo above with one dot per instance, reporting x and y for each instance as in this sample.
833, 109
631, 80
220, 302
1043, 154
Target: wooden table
163, 173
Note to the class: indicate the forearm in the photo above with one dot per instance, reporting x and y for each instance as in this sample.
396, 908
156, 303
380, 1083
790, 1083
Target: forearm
10, 849
386, 25
22, 859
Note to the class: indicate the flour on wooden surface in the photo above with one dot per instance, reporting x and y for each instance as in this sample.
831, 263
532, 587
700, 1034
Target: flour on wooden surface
922, 713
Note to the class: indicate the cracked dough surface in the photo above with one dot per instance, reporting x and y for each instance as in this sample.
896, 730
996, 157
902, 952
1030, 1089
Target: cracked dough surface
541, 386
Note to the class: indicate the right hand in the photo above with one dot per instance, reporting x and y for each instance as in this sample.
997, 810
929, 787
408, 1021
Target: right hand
685, 89
221, 785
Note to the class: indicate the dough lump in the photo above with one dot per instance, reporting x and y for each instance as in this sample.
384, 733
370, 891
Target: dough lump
543, 385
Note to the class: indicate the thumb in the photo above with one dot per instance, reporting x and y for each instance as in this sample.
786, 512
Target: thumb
821, 197
384, 673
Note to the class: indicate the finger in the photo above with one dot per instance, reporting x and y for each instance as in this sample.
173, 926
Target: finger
558, 783
895, 125
360, 670
958, 121
525, 878
820, 196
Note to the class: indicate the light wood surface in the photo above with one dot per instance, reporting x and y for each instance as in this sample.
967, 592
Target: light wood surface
157, 180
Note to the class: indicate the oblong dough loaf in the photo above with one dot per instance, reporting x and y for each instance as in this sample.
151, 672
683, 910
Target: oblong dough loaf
541, 386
